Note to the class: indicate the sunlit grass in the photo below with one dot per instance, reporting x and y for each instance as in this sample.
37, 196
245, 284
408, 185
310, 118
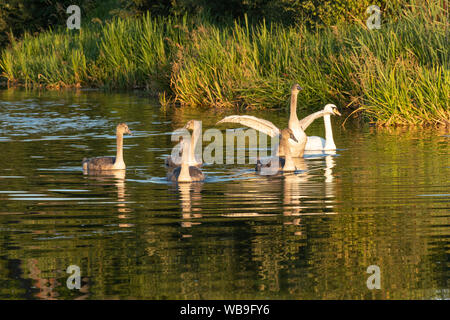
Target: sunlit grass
396, 75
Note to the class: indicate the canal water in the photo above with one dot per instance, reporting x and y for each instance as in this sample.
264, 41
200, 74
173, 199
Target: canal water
382, 199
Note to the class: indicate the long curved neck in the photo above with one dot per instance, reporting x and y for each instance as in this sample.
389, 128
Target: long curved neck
194, 141
184, 172
119, 149
329, 141
293, 111
289, 164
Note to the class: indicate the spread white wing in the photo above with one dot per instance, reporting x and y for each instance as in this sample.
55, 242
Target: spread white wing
261, 125
306, 121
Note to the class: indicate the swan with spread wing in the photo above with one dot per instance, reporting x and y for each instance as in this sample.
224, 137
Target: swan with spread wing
298, 127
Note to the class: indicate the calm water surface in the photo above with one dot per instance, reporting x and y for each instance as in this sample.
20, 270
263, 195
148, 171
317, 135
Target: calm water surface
383, 199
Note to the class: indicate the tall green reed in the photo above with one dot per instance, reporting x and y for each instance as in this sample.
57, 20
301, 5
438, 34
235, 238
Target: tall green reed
395, 75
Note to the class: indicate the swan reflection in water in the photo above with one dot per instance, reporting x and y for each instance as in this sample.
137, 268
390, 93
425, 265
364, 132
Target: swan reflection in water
329, 178
302, 192
190, 196
118, 176
292, 193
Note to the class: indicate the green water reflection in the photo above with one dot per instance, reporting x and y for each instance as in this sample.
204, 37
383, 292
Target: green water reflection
383, 199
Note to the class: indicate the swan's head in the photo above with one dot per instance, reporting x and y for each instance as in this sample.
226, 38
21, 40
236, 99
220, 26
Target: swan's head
190, 125
288, 133
331, 108
296, 88
184, 143
123, 128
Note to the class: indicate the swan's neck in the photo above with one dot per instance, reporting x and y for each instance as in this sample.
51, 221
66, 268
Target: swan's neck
289, 164
194, 141
329, 141
119, 150
184, 172
279, 149
293, 111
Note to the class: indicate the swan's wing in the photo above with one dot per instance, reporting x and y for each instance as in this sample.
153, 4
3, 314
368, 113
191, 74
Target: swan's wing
306, 121
262, 125
99, 163
196, 174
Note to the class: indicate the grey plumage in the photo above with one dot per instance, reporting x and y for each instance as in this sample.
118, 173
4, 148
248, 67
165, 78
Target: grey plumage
195, 173
98, 163
286, 134
168, 162
109, 163
259, 165
196, 127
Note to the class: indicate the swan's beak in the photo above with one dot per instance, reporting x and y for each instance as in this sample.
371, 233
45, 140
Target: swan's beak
336, 112
293, 137
187, 125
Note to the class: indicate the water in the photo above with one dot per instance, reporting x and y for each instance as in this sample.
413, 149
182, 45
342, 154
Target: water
383, 199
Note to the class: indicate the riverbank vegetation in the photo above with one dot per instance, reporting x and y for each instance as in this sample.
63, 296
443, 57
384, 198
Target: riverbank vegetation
394, 75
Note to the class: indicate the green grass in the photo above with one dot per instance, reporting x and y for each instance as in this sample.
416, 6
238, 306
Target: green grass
396, 75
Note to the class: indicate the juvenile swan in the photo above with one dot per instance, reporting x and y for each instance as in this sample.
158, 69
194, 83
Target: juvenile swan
196, 127
267, 127
285, 164
318, 143
109, 163
185, 172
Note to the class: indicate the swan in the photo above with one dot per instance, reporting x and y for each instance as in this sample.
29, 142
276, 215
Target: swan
185, 172
196, 127
267, 127
109, 163
285, 164
297, 149
318, 143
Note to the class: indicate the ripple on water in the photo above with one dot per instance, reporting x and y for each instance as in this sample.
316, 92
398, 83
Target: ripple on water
380, 199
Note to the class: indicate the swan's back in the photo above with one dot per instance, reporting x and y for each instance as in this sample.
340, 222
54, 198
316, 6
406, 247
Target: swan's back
195, 173
99, 163
315, 143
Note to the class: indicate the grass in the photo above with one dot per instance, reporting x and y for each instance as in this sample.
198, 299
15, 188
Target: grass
397, 75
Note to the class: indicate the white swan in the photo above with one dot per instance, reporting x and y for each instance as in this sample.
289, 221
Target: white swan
297, 148
318, 143
267, 127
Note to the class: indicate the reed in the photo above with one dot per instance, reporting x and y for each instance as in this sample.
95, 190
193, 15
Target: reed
395, 75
